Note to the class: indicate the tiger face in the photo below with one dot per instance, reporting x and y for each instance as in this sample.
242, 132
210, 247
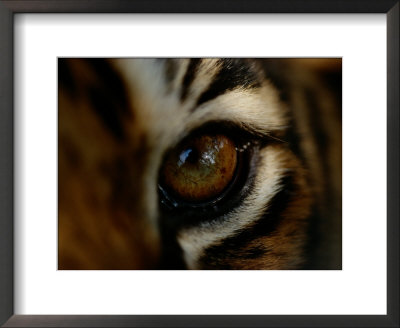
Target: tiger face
199, 164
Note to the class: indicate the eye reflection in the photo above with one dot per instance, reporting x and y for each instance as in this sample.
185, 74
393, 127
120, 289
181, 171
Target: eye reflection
184, 156
200, 168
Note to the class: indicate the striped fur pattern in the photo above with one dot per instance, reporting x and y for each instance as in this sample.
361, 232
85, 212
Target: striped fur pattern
119, 117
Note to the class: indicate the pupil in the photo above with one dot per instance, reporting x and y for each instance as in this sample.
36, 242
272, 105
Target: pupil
193, 156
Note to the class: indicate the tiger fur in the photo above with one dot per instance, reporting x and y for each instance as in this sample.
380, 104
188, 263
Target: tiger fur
117, 119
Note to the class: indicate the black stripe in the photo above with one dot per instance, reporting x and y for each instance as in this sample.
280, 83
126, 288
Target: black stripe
171, 69
189, 77
230, 247
277, 72
293, 139
65, 77
171, 253
234, 73
108, 97
333, 81
319, 132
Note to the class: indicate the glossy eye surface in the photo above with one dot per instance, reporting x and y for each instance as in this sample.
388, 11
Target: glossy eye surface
200, 168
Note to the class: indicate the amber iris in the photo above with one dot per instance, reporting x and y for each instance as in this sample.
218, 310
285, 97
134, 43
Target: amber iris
200, 168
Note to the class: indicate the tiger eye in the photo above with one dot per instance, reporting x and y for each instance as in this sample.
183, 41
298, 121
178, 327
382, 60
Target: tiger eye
200, 168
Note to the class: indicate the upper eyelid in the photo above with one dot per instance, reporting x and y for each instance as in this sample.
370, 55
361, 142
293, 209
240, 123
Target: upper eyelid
233, 129
264, 134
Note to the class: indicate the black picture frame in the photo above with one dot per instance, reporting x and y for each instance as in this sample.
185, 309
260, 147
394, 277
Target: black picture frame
7, 11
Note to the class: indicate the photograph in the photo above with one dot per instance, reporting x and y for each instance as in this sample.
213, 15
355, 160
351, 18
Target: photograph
199, 163
209, 164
